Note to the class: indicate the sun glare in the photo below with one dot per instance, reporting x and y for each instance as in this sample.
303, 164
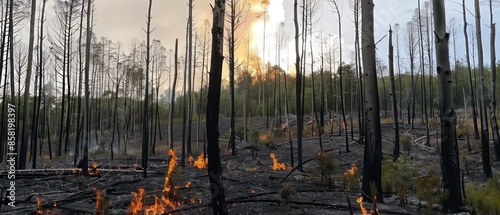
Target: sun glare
275, 15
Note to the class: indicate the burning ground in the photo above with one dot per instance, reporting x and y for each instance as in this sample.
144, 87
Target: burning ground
264, 184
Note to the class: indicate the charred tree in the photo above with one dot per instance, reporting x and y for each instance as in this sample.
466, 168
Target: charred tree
212, 119
485, 149
372, 160
395, 153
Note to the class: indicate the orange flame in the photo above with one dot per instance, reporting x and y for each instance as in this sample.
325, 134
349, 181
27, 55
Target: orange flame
352, 170
136, 205
265, 137
360, 202
188, 184
39, 209
201, 162
190, 160
169, 190
157, 208
276, 165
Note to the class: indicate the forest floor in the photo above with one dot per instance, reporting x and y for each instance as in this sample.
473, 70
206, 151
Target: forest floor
251, 185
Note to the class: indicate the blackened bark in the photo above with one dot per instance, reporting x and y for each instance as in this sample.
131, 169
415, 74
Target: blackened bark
395, 153
213, 100
372, 168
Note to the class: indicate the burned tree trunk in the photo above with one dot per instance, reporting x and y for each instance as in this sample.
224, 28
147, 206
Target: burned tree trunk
449, 145
213, 100
485, 149
372, 168
395, 153
172, 101
145, 129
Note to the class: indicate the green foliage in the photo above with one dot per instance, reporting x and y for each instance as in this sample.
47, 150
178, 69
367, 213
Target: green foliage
399, 176
406, 142
239, 130
326, 166
484, 199
429, 189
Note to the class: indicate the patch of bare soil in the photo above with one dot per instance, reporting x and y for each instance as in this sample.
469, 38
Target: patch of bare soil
252, 186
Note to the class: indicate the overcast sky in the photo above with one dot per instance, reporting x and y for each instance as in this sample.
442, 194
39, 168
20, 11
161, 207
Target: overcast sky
125, 19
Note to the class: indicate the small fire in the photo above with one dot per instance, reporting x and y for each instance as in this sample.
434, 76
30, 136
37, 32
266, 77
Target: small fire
360, 202
188, 184
157, 208
190, 160
169, 192
201, 162
192, 200
265, 137
171, 165
136, 205
93, 170
39, 209
353, 170
276, 165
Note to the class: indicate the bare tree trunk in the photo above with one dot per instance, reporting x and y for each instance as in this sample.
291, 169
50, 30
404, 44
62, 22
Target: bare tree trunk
493, 104
485, 149
298, 90
172, 101
372, 168
145, 129
472, 88
87, 93
213, 101
342, 105
27, 83
395, 153
449, 145
422, 68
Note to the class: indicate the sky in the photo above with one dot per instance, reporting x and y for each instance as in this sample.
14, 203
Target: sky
123, 20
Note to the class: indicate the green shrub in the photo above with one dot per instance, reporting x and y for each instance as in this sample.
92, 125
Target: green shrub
406, 142
399, 176
484, 199
429, 189
326, 166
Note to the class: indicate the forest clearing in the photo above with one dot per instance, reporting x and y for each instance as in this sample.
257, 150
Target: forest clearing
253, 186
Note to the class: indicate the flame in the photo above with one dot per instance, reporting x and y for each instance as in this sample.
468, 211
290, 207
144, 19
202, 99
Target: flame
360, 202
276, 165
136, 205
265, 137
188, 184
200, 201
201, 162
252, 191
190, 160
157, 208
192, 200
352, 170
39, 209
167, 186
169, 191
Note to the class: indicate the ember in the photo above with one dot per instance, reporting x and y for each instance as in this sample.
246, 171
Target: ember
201, 162
188, 184
276, 165
39, 209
